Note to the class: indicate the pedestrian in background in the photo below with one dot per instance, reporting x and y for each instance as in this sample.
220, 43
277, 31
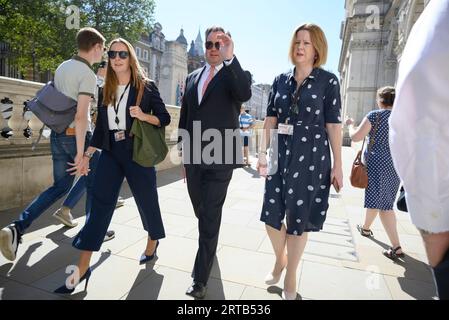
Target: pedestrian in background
383, 181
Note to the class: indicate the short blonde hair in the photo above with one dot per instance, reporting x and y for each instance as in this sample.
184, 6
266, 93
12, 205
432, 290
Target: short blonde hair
319, 43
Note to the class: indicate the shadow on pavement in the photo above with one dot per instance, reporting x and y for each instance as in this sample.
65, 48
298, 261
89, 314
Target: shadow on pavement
252, 171
277, 290
20, 267
149, 292
215, 289
82, 294
413, 268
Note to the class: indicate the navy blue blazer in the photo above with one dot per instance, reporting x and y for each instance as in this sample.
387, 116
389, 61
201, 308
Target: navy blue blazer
219, 109
151, 103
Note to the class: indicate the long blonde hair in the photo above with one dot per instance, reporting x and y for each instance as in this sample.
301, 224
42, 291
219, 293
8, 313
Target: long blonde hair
111, 82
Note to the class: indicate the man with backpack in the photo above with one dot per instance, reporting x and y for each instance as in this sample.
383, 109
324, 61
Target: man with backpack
78, 189
75, 79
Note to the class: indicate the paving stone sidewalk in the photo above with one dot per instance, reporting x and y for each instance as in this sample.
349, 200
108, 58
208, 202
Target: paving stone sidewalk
338, 263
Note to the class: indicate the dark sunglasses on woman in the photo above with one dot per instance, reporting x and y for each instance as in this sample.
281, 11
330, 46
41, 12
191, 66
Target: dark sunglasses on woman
210, 44
121, 54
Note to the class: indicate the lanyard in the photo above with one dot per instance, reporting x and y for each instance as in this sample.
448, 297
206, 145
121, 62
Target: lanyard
294, 104
116, 106
294, 108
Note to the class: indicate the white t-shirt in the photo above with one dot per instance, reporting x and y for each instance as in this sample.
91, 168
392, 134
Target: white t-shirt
121, 114
419, 131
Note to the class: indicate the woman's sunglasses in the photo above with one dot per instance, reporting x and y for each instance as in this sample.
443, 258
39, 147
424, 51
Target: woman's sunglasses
210, 44
121, 54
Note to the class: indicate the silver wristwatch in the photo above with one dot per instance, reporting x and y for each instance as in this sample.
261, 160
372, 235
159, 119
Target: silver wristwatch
89, 154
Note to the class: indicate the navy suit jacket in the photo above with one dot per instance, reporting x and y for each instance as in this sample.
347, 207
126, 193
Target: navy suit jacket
151, 103
219, 109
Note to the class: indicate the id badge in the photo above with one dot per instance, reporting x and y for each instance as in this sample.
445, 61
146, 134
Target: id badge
286, 129
119, 135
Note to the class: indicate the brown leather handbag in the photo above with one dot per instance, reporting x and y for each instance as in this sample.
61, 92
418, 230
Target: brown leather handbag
359, 174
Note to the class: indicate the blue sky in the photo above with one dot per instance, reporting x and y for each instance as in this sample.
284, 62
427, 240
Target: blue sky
261, 29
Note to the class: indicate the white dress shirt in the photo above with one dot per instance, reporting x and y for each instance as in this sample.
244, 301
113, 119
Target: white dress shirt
121, 110
419, 123
205, 74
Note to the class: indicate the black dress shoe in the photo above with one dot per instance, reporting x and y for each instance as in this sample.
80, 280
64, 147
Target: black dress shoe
197, 290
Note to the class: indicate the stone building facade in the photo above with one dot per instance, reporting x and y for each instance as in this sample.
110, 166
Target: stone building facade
373, 36
174, 70
195, 55
149, 50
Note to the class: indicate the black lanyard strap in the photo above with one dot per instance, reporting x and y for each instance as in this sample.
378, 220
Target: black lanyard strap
294, 108
116, 106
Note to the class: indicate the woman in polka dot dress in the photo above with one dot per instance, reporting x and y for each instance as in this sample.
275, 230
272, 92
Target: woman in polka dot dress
383, 181
304, 105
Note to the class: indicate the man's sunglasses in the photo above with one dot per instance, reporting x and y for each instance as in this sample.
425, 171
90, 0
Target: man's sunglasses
210, 44
121, 54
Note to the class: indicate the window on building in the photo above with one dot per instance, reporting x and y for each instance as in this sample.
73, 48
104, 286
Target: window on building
138, 52
145, 54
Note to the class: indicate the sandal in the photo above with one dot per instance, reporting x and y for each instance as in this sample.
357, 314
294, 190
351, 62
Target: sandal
365, 232
392, 254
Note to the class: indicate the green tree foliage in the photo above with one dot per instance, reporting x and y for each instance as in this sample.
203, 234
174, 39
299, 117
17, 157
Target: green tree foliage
126, 18
29, 27
39, 27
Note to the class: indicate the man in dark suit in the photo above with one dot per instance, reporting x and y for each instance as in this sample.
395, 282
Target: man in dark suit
210, 111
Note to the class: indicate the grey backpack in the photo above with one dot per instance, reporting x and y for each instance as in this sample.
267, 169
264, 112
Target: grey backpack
53, 108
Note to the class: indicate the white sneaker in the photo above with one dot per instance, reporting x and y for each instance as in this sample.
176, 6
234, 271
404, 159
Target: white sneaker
63, 214
9, 241
120, 202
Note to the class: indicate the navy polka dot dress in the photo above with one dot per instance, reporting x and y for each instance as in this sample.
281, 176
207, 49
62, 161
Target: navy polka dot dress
298, 190
383, 181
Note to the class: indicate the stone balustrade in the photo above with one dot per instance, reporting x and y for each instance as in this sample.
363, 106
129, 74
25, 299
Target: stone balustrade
24, 173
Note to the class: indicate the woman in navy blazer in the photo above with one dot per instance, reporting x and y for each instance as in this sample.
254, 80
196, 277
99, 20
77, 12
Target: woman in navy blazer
115, 117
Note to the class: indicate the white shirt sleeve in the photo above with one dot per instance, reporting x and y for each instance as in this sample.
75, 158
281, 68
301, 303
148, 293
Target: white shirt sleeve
228, 62
419, 124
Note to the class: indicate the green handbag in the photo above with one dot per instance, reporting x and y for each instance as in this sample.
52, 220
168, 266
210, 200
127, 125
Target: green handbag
149, 147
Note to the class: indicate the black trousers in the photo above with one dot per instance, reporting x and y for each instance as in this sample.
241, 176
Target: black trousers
207, 190
112, 168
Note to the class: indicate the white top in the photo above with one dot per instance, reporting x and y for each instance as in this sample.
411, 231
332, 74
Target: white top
205, 74
419, 130
121, 110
